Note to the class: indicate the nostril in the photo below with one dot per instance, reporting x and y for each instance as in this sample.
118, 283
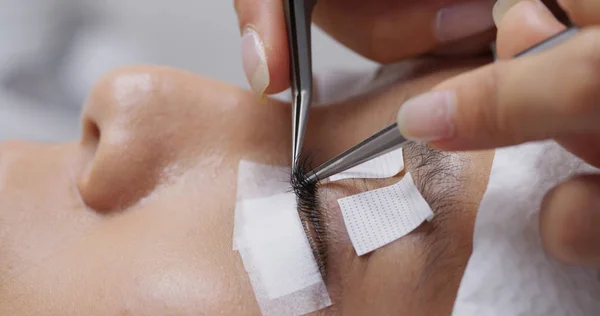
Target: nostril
91, 132
120, 150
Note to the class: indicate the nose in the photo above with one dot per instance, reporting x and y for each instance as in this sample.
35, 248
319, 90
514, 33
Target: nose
142, 124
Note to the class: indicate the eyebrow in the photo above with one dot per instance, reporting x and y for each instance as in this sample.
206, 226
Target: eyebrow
436, 174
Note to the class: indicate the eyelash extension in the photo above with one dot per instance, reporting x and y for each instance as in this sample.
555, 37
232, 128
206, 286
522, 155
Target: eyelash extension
309, 209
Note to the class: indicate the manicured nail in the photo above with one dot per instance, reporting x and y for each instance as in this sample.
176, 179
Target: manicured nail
500, 9
462, 20
254, 59
428, 117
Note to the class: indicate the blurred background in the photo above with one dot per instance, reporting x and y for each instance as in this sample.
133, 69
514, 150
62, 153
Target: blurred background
52, 52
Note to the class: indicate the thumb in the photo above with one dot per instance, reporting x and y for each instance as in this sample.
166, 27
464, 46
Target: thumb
569, 221
548, 95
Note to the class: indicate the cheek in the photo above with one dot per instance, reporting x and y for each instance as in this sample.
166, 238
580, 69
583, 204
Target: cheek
157, 283
411, 276
188, 249
152, 268
386, 282
171, 254
39, 208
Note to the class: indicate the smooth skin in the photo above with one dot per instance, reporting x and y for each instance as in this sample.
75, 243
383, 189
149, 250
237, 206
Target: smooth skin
552, 95
136, 218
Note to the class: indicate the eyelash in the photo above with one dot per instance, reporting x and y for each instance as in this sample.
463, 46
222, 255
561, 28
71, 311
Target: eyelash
309, 210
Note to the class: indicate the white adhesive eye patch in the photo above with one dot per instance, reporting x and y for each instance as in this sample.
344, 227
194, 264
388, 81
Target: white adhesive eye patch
274, 224
256, 181
384, 166
273, 246
376, 218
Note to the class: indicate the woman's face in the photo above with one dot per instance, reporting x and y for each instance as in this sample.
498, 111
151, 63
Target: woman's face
136, 218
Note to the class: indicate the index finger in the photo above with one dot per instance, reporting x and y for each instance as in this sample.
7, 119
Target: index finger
264, 44
383, 31
549, 95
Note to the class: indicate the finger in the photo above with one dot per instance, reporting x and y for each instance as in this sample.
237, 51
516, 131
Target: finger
584, 146
570, 221
582, 12
387, 31
500, 9
475, 46
503, 6
264, 44
524, 25
549, 95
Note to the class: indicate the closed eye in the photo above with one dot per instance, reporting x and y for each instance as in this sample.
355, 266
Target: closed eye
310, 211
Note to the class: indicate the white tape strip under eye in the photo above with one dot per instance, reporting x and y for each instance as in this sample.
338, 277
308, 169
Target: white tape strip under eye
256, 181
274, 225
273, 246
376, 218
384, 166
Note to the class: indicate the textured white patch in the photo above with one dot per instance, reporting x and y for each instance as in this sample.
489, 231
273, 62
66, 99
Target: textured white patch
376, 218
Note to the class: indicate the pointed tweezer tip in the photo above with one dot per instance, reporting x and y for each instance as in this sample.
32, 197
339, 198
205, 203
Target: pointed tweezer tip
297, 145
312, 178
294, 159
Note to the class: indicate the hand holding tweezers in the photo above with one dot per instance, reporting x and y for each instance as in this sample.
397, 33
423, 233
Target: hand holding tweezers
390, 138
298, 15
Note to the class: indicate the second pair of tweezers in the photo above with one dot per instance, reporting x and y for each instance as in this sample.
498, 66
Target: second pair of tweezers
390, 138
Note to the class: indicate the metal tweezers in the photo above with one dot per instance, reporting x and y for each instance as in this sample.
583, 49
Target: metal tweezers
298, 16
390, 138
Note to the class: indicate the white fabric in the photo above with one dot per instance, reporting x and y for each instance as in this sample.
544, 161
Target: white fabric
256, 181
272, 243
281, 255
384, 166
508, 272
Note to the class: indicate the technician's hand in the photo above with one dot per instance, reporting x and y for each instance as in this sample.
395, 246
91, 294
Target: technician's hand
381, 30
555, 94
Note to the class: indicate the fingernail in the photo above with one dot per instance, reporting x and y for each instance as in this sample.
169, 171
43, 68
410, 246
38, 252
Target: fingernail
463, 20
254, 60
538, 15
428, 117
500, 9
